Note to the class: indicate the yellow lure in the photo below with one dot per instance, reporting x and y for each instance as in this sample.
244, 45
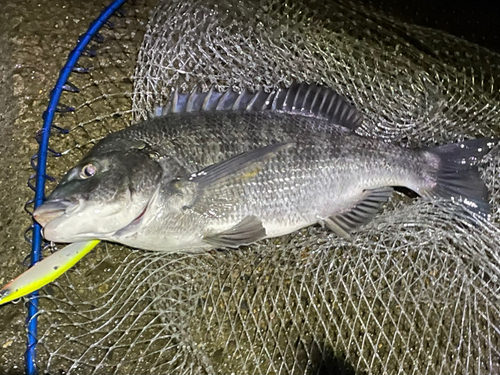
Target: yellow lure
46, 271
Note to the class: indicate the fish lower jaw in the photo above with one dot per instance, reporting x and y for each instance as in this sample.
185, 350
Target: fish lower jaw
55, 233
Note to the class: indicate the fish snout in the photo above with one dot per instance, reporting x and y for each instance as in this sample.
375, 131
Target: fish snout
51, 210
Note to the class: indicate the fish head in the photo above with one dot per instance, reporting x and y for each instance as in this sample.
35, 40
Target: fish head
103, 193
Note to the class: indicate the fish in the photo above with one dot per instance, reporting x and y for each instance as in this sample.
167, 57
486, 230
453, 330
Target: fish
223, 170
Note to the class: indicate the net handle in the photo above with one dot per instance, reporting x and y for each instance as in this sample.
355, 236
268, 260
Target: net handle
48, 116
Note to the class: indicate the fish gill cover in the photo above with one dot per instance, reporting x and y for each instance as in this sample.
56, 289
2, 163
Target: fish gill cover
416, 291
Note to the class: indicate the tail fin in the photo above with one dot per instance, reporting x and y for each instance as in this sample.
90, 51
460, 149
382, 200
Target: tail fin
458, 178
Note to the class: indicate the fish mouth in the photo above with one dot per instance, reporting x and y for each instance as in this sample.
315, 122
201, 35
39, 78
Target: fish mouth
53, 209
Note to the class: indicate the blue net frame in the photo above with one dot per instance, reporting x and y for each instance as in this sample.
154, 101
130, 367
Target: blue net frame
39, 162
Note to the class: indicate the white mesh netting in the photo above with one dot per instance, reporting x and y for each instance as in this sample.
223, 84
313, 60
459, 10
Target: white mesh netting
416, 292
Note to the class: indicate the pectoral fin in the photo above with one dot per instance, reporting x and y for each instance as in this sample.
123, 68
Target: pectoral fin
247, 231
363, 211
210, 183
231, 167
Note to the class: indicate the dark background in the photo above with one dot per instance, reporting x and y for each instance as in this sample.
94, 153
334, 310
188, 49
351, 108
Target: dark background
476, 20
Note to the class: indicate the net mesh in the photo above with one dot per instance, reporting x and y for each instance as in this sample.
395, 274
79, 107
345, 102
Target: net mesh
416, 292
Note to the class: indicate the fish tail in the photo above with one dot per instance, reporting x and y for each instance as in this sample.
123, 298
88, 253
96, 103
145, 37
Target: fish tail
458, 177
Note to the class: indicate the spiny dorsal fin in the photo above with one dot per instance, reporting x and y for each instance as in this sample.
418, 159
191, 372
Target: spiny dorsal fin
300, 99
363, 211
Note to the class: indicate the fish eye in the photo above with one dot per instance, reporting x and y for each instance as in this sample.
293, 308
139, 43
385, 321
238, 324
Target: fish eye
88, 171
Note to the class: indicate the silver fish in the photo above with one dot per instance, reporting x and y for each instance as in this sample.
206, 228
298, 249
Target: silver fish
224, 170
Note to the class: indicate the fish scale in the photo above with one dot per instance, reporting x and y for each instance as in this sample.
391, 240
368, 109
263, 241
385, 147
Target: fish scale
324, 153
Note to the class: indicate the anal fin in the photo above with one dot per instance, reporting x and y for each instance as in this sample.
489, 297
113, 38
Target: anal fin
247, 231
343, 223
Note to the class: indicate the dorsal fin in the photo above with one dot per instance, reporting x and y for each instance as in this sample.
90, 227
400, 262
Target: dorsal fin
300, 99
